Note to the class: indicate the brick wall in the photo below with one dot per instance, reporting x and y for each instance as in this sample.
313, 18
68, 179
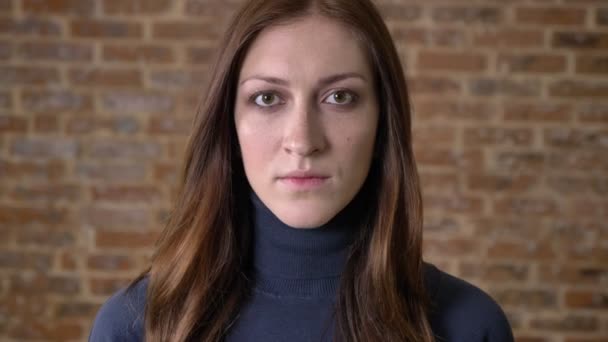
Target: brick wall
511, 136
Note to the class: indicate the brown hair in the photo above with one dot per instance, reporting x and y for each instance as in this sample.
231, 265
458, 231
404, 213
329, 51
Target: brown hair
198, 276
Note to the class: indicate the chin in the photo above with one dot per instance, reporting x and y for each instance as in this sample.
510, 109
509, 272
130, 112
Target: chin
305, 217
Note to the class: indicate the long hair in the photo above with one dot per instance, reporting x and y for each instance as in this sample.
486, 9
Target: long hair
198, 276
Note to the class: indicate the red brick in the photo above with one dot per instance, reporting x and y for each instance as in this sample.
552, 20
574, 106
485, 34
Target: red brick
105, 262
116, 218
448, 37
133, 102
214, 9
579, 299
576, 138
525, 206
564, 322
46, 192
593, 113
433, 85
106, 287
529, 299
505, 87
444, 157
439, 226
68, 261
532, 63
399, 12
105, 29
37, 283
30, 26
55, 101
579, 89
35, 329
138, 7
75, 309
169, 125
25, 215
20, 305
495, 272
579, 159
572, 186
510, 38
200, 54
6, 6
177, 79
511, 183
12, 124
49, 170
180, 30
454, 203
573, 274
126, 193
138, 53
580, 40
56, 51
453, 110
451, 247
601, 16
166, 172
28, 75
498, 227
6, 100
544, 16
595, 65
111, 172
123, 149
80, 7
25, 260
451, 61
521, 250
44, 148
412, 36
128, 240
537, 112
434, 134
501, 136
467, 15
6, 50
105, 77
38, 235
46, 123
115, 124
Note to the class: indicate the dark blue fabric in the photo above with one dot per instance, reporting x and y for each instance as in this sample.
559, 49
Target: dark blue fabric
296, 276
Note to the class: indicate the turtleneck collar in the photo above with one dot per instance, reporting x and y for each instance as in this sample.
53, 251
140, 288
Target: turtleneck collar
301, 262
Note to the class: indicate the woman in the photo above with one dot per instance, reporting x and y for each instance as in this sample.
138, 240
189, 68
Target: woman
299, 216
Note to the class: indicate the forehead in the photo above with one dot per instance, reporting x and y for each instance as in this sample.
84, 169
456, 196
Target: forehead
313, 45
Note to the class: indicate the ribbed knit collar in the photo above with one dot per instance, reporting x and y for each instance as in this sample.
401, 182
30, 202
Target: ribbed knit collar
301, 262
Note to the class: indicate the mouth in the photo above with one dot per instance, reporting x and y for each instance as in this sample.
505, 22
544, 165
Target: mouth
304, 182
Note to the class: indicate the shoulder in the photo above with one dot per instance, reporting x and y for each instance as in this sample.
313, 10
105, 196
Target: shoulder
121, 317
461, 311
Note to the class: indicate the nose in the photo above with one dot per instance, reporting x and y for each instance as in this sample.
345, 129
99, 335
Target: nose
304, 133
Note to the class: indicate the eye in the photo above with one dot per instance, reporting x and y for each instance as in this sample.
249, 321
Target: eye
265, 99
341, 97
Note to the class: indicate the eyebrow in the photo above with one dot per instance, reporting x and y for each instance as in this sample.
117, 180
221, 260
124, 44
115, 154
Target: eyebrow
322, 82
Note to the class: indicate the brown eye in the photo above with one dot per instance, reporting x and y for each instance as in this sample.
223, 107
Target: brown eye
340, 97
266, 99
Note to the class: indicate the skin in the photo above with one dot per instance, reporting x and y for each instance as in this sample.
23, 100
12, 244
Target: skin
287, 118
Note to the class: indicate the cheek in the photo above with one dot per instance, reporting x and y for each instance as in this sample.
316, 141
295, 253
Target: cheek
255, 144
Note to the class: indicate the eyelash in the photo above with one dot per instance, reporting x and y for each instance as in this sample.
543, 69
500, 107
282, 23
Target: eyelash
252, 98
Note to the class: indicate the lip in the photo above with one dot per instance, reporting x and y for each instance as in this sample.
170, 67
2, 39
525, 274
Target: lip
303, 174
303, 180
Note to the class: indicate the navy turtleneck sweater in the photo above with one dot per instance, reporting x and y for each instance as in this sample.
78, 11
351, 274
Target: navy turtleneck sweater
295, 278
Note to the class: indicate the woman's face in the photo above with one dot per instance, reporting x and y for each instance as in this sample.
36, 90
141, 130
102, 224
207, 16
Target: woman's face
306, 115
